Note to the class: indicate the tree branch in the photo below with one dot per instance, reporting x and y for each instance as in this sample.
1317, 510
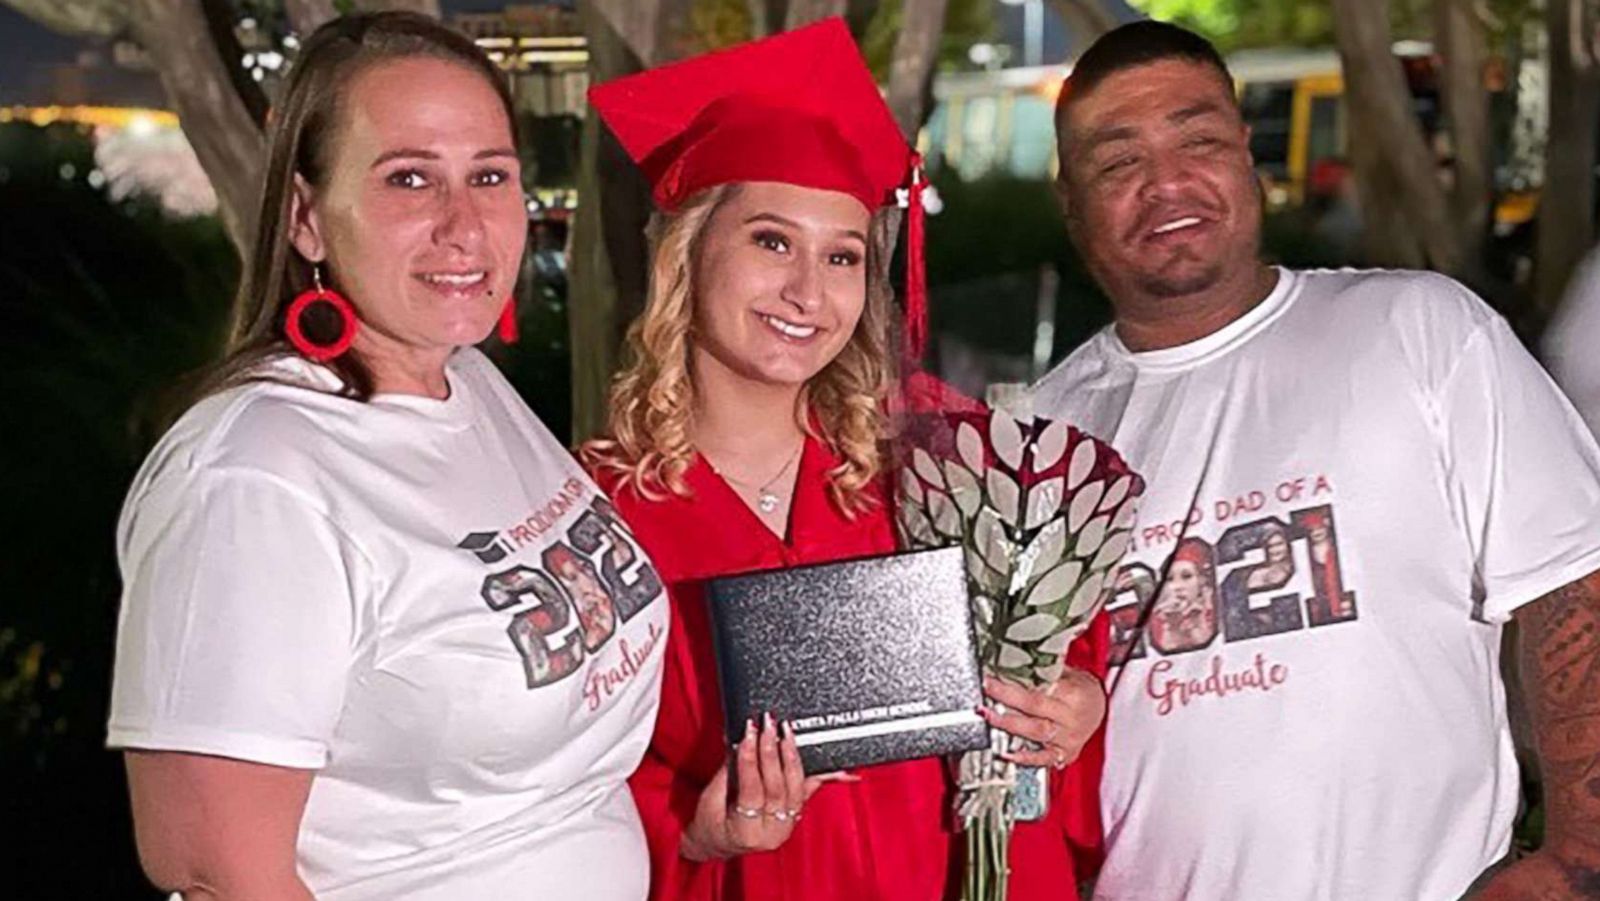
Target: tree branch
1380, 102
198, 80
305, 16
1464, 51
609, 258
916, 51
86, 18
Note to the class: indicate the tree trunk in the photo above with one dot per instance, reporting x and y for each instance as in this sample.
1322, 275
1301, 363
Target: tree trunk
1391, 138
200, 86
804, 12
1566, 203
609, 255
306, 15
760, 18
1460, 38
190, 45
916, 52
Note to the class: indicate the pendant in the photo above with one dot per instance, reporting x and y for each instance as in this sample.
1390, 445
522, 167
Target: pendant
767, 501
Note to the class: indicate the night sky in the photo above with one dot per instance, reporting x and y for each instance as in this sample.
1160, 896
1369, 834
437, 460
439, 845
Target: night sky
26, 47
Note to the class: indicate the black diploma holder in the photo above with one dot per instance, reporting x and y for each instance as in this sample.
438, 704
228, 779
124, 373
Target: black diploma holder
873, 660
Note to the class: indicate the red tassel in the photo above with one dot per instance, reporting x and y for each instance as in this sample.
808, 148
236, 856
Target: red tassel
916, 277
508, 321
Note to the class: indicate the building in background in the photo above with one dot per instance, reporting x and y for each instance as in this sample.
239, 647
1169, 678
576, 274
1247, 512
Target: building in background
542, 46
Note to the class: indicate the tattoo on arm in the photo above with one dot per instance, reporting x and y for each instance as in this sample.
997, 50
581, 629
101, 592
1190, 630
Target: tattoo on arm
1560, 663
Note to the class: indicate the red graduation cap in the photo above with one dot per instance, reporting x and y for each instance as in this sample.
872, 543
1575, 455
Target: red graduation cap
799, 108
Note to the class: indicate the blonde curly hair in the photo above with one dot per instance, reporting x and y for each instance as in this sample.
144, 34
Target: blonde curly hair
652, 399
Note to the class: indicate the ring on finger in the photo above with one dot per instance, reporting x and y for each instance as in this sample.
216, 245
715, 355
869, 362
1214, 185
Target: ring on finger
793, 814
1060, 759
782, 816
749, 813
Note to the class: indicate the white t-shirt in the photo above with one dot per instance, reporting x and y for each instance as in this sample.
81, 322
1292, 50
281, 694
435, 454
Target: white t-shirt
1572, 343
428, 603
1355, 483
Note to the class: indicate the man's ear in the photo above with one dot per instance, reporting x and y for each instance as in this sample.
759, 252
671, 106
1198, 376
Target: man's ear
305, 226
1059, 185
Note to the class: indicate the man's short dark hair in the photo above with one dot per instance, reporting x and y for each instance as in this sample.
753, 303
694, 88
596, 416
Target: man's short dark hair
1137, 44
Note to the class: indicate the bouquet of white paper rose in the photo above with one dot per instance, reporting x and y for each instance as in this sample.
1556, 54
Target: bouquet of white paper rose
1045, 514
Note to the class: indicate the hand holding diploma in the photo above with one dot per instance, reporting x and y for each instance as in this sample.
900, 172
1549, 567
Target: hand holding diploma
762, 808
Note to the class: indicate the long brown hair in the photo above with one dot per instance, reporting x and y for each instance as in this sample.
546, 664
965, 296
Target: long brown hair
304, 127
652, 398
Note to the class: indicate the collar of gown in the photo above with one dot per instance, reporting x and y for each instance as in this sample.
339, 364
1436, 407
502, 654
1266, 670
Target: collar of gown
716, 533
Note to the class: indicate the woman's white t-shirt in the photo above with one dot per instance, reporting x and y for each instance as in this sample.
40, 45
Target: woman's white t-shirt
427, 602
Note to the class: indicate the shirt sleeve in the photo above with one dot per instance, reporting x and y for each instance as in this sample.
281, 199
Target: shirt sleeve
238, 621
1570, 341
1523, 470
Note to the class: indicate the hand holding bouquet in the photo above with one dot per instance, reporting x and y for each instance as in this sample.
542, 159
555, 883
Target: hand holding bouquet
1045, 513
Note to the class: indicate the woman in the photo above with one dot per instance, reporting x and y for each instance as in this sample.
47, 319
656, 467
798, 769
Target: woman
1184, 617
746, 435
346, 665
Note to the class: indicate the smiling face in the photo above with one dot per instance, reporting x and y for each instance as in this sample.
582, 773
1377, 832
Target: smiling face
1183, 590
1184, 615
780, 282
1159, 188
420, 219
1277, 547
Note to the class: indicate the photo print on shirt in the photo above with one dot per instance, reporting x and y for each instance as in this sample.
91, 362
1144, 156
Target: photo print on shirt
589, 582
1235, 574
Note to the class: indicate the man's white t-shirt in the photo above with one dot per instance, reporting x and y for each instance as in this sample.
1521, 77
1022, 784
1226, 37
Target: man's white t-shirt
1572, 342
426, 602
1350, 488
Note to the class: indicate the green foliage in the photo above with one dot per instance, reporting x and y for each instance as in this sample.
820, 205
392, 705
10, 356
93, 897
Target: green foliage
1235, 24
722, 23
1239, 24
714, 24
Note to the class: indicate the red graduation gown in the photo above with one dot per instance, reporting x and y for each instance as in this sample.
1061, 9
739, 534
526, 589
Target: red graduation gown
886, 837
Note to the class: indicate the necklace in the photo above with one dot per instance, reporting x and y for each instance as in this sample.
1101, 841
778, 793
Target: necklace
767, 500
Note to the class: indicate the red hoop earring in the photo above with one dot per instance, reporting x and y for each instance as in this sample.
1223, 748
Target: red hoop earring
508, 320
348, 325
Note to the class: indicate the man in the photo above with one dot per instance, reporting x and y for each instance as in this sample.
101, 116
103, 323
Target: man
1344, 735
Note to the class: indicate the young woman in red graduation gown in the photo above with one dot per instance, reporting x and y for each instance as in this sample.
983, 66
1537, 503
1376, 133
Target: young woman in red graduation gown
746, 434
